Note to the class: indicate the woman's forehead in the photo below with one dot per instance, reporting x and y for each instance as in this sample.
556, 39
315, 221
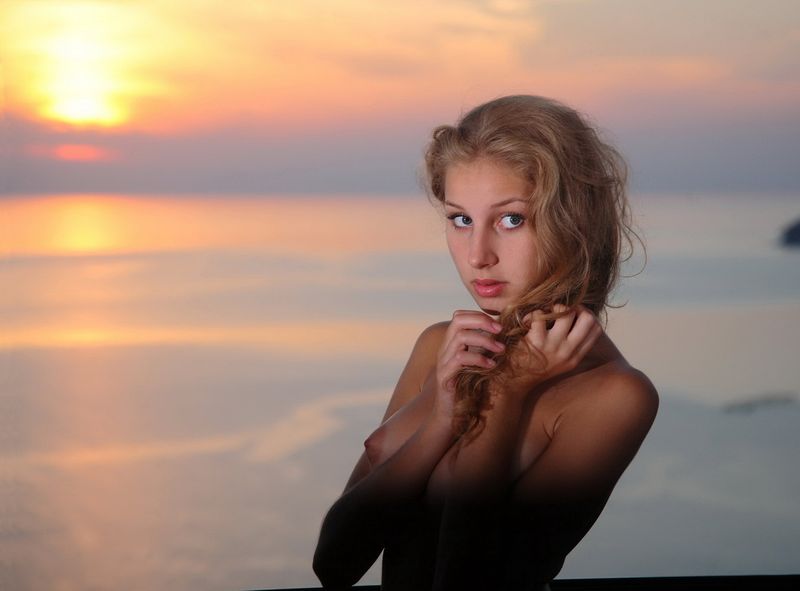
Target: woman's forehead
485, 182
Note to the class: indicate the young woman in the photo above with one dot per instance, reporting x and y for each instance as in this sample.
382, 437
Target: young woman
510, 426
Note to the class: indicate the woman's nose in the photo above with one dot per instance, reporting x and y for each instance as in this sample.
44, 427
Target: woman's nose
481, 251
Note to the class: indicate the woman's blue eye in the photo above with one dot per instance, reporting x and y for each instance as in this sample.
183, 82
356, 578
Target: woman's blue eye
512, 220
460, 220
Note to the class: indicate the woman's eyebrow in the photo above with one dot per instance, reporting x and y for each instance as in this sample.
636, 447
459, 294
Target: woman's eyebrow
492, 206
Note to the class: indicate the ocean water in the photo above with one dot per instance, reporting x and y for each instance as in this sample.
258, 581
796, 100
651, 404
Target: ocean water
186, 382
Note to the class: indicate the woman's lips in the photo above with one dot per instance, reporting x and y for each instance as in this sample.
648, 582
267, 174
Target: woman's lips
488, 288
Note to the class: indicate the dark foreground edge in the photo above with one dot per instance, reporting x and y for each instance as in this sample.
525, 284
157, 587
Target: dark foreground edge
748, 582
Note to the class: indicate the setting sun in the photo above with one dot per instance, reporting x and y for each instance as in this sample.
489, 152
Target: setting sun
159, 65
80, 84
82, 62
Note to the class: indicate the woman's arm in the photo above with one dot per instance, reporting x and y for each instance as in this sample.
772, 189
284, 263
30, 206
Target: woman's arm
355, 528
555, 502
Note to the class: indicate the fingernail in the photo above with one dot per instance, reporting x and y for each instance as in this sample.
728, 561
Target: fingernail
497, 326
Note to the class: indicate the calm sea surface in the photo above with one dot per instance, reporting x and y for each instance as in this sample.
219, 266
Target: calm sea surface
185, 383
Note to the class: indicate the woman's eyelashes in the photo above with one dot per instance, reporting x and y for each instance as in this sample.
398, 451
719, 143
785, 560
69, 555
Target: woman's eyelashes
509, 221
460, 220
512, 220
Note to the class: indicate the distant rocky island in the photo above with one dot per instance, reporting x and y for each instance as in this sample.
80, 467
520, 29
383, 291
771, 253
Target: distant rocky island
791, 235
763, 400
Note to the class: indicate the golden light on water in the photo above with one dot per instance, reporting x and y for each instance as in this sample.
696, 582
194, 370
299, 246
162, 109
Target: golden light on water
86, 226
317, 338
75, 240
111, 224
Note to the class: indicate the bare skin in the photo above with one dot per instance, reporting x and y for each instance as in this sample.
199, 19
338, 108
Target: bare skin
557, 451
502, 510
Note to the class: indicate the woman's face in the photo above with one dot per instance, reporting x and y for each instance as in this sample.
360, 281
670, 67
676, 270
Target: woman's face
489, 233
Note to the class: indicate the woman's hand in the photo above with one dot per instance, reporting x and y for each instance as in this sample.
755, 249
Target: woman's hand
469, 334
551, 352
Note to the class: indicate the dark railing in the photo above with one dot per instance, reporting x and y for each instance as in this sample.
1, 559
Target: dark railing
732, 583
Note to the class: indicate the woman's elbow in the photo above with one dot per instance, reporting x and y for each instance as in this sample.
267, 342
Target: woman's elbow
331, 572
340, 564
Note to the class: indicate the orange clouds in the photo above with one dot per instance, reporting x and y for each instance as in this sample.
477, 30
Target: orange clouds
169, 65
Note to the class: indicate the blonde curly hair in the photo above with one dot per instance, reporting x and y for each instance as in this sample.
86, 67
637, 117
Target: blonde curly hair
578, 205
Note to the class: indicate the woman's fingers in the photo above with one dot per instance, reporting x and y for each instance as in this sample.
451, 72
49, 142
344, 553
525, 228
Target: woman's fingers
467, 338
562, 325
473, 319
565, 344
467, 358
471, 329
588, 342
584, 324
469, 333
538, 330
449, 369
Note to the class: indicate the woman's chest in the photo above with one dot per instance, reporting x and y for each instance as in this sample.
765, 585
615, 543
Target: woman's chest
532, 439
536, 426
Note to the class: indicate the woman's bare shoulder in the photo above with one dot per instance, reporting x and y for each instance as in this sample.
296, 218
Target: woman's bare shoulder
626, 389
615, 399
603, 420
430, 340
607, 382
420, 363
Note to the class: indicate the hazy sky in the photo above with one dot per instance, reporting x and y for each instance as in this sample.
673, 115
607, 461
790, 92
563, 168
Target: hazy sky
313, 96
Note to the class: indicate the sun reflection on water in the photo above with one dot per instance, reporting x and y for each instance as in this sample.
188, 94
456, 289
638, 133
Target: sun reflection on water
317, 226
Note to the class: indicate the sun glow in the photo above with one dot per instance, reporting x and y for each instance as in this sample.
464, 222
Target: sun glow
81, 62
162, 65
81, 84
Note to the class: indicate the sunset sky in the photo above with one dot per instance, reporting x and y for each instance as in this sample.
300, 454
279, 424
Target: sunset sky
313, 96
215, 257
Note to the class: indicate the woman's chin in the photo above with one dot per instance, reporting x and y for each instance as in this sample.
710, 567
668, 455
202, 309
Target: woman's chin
493, 306
490, 308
